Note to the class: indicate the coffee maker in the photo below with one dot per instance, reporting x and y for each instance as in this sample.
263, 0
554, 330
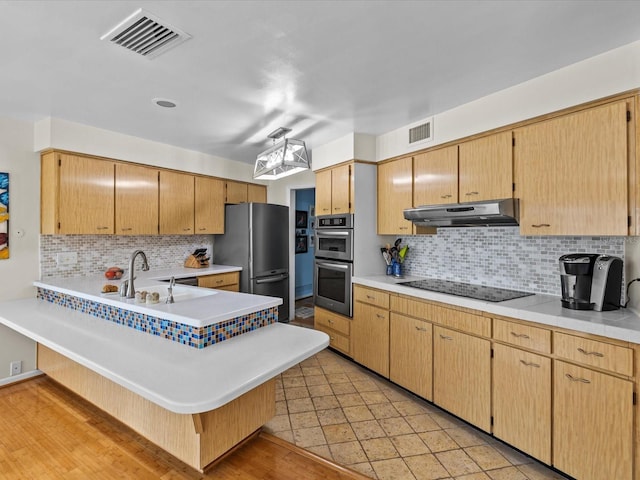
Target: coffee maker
591, 281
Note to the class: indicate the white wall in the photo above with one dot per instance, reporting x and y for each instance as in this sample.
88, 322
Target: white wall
21, 269
596, 77
75, 137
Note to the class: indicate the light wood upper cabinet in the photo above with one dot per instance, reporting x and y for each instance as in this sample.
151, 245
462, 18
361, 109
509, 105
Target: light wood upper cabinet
410, 354
85, 203
136, 200
256, 193
522, 400
176, 203
462, 375
592, 423
323, 192
435, 177
486, 168
209, 205
574, 173
395, 193
335, 190
236, 192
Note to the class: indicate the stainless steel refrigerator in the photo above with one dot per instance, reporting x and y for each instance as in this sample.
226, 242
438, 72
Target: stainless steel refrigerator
256, 238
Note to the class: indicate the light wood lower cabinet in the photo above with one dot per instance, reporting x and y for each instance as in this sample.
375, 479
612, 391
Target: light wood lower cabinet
462, 376
336, 326
221, 281
370, 337
592, 424
410, 354
522, 400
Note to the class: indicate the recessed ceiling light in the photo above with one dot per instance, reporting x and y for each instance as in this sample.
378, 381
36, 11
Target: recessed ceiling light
163, 102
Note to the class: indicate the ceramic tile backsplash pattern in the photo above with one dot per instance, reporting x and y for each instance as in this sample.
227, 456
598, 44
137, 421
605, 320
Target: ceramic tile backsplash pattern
196, 337
96, 253
499, 257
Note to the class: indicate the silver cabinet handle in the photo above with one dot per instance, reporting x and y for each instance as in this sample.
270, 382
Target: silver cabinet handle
445, 196
529, 364
329, 321
540, 225
102, 228
186, 229
595, 354
421, 329
403, 228
201, 229
370, 297
325, 209
575, 379
380, 316
520, 335
472, 193
126, 229
444, 337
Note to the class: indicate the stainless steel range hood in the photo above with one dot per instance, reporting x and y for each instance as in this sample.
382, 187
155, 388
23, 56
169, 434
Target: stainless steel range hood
472, 214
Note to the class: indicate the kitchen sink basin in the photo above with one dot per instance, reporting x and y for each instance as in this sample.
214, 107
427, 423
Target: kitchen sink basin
180, 294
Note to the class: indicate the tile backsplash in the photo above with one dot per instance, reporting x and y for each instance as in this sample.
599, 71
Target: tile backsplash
499, 257
96, 253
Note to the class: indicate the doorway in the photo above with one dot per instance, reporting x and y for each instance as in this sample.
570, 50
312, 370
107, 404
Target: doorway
303, 207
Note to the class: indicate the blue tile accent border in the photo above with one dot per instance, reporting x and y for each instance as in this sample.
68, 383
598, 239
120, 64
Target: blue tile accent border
196, 337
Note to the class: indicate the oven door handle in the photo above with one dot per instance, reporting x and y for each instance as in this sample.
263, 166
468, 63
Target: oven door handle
329, 233
333, 265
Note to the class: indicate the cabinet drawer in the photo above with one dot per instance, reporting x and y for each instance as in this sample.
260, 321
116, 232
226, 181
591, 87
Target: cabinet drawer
533, 338
371, 296
332, 320
594, 353
219, 280
337, 341
408, 306
466, 322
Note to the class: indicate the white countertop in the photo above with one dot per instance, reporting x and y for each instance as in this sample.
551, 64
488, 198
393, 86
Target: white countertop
176, 377
619, 324
197, 312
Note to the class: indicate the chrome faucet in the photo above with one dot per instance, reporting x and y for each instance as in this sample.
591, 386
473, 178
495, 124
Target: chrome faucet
172, 282
131, 290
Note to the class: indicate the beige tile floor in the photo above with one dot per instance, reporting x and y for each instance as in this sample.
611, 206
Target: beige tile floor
341, 411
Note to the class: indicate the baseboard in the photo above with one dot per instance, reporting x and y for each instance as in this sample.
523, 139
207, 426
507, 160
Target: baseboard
20, 377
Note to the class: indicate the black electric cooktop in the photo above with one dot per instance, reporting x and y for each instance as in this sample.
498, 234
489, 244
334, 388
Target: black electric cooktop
478, 292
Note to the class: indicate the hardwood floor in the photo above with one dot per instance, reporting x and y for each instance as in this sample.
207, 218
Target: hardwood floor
50, 433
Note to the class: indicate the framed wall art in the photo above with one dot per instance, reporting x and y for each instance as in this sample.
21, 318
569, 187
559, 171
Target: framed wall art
4, 216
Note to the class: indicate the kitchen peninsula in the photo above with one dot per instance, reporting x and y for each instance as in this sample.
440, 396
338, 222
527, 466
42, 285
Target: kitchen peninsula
195, 403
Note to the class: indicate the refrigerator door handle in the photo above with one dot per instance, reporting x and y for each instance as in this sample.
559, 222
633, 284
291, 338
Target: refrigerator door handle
279, 278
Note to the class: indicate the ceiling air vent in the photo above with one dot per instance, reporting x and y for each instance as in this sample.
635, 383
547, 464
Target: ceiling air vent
421, 133
145, 34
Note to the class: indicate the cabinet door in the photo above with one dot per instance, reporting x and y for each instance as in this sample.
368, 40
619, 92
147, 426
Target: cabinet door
176, 203
209, 205
370, 337
486, 168
522, 400
341, 189
86, 196
435, 177
220, 280
592, 424
574, 173
136, 200
462, 376
410, 354
256, 193
236, 192
323, 192
395, 193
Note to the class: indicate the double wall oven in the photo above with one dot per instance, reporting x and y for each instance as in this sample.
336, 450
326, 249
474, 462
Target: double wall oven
333, 267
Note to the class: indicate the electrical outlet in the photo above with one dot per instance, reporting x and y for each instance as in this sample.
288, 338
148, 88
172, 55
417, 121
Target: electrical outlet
66, 259
16, 367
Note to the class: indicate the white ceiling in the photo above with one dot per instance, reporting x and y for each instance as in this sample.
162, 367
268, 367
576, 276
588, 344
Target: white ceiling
322, 68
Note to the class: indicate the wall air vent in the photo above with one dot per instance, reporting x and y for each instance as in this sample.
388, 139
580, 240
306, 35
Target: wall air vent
421, 133
145, 34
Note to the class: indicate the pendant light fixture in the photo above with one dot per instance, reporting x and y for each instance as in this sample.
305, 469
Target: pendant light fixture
284, 158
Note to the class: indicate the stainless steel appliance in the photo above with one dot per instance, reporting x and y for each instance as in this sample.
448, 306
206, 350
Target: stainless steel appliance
486, 213
478, 292
333, 266
590, 281
334, 237
256, 238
